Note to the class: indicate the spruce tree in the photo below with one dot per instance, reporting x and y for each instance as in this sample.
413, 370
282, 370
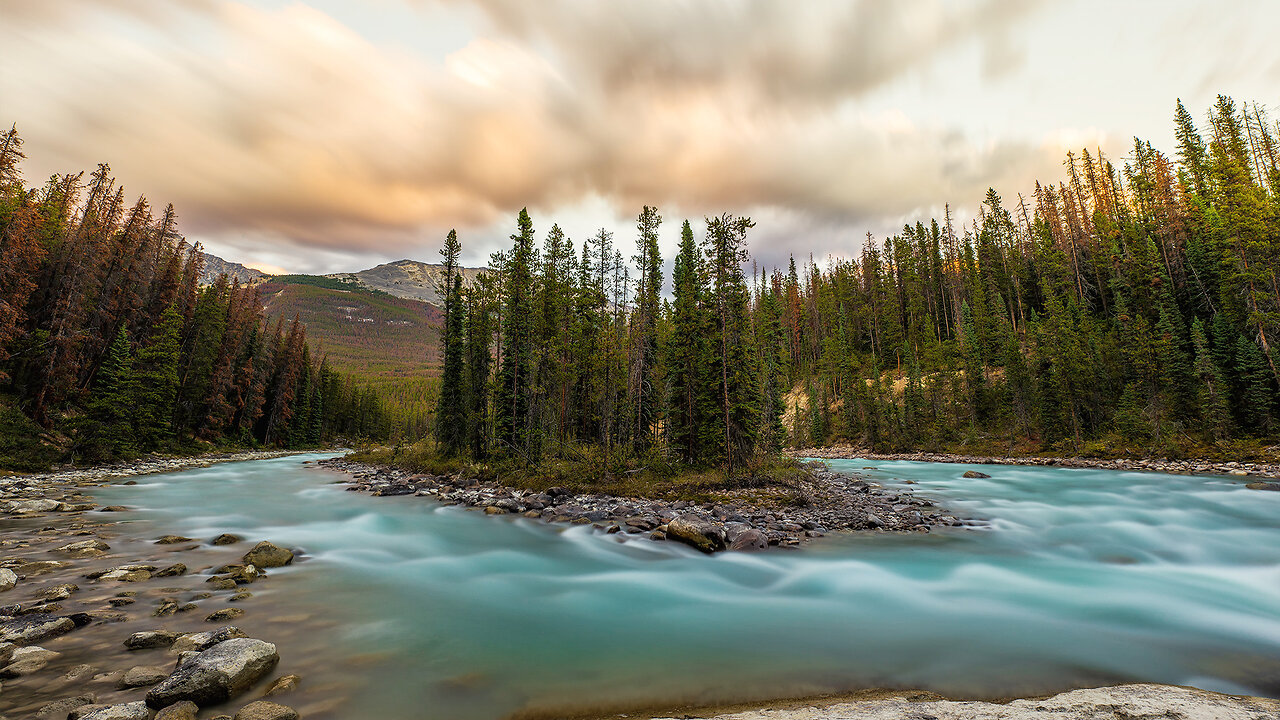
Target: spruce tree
725, 249
1211, 395
154, 382
644, 323
109, 410
511, 405
687, 356
450, 423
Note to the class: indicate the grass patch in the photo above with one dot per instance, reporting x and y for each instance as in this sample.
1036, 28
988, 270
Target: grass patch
590, 470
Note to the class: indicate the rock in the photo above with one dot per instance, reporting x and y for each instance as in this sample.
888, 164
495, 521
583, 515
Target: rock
79, 673
6, 652
283, 684
41, 567
749, 541
267, 555
27, 660
120, 601
32, 506
224, 614
61, 708
126, 575
245, 574
34, 628
701, 534
59, 592
8, 579
84, 549
494, 510
166, 609
1252, 486
129, 711
185, 710
205, 640
148, 639
974, 474
172, 571
221, 583
1123, 701
218, 674
264, 710
84, 711
240, 596
227, 539
173, 540
141, 676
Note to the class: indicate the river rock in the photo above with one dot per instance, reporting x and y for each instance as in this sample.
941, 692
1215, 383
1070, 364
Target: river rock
230, 613
141, 676
702, 534
60, 709
265, 710
41, 567
172, 570
34, 628
7, 649
750, 540
282, 685
84, 549
974, 474
27, 660
8, 579
1263, 486
204, 640
267, 555
59, 592
218, 674
227, 539
185, 710
148, 639
31, 506
128, 711
172, 539
127, 574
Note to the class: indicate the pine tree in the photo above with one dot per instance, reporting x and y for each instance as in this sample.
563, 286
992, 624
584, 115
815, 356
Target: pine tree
153, 383
109, 410
1211, 396
725, 252
687, 356
511, 408
644, 332
450, 424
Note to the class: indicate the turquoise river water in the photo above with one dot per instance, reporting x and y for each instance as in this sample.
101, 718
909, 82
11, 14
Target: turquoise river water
1082, 577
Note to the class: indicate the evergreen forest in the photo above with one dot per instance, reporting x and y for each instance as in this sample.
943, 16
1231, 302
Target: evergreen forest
110, 347
1131, 307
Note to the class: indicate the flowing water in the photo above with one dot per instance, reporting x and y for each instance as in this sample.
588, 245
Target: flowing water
409, 609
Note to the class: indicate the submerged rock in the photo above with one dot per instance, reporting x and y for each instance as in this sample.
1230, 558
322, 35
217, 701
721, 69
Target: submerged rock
265, 710
227, 539
218, 674
1263, 486
750, 540
974, 474
84, 549
150, 639
282, 685
34, 628
60, 709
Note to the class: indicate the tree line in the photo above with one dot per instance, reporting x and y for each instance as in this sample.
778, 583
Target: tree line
1122, 307
109, 342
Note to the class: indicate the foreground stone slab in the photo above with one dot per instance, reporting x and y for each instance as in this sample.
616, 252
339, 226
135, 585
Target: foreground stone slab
1123, 701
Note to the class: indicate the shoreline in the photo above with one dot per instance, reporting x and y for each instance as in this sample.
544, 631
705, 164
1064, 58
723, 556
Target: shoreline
148, 466
1187, 467
831, 502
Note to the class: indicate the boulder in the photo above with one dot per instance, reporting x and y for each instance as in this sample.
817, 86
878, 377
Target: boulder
8, 579
128, 711
34, 628
750, 541
974, 474
148, 639
267, 555
265, 710
204, 640
216, 675
84, 549
141, 676
702, 534
185, 710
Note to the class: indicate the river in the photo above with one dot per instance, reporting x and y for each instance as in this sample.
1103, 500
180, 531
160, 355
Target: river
403, 608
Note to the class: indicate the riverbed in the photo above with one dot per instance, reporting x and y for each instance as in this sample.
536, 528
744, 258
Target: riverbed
1083, 577
400, 607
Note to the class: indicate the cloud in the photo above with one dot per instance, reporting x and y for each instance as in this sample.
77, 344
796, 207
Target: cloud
284, 122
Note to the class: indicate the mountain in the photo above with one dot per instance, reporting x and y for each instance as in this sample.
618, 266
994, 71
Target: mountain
215, 266
409, 279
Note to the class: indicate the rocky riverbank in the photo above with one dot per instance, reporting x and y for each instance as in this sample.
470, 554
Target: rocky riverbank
825, 502
1123, 701
1191, 467
97, 625
144, 466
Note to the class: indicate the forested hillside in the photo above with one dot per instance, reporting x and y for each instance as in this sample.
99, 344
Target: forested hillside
1128, 307
389, 344
110, 347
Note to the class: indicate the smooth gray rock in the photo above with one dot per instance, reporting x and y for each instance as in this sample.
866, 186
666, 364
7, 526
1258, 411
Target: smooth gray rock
25, 506
751, 540
60, 709
128, 711
1123, 701
265, 710
205, 640
141, 676
8, 579
218, 674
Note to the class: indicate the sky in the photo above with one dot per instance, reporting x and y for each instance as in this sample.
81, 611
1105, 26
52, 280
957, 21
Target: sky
330, 136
